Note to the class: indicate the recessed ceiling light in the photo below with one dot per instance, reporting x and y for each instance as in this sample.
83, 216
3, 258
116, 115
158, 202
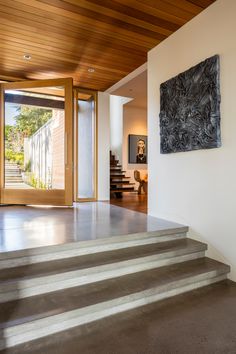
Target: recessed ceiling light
27, 56
91, 70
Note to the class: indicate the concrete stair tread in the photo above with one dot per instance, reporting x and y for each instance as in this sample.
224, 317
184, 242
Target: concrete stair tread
125, 330
22, 311
100, 244
179, 247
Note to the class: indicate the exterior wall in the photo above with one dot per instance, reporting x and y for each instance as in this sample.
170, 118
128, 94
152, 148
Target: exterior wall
45, 151
38, 152
197, 188
134, 122
58, 155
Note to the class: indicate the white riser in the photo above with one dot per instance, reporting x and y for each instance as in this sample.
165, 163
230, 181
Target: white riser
57, 323
46, 284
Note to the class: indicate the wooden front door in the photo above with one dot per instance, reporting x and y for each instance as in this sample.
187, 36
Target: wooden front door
36, 142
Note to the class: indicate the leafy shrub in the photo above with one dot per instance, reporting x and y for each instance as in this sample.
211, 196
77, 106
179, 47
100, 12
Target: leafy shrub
17, 157
28, 166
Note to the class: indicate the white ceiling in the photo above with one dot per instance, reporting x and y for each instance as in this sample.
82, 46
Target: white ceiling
136, 88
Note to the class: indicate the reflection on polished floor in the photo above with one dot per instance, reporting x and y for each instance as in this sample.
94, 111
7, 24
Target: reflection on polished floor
132, 201
28, 227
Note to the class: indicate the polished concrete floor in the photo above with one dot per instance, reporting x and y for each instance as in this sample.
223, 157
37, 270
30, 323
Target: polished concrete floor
202, 321
132, 201
27, 227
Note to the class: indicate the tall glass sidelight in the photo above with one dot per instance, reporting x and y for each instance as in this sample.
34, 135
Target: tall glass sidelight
86, 146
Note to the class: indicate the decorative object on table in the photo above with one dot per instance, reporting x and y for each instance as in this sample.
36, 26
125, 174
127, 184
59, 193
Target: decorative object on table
138, 149
142, 182
190, 109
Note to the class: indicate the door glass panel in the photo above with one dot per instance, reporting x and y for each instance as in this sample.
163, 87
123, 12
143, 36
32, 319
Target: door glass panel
86, 146
35, 138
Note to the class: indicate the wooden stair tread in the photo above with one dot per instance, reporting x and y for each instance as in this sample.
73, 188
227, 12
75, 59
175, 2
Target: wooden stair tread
120, 189
114, 183
118, 176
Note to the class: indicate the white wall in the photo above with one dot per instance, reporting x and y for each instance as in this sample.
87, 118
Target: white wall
134, 122
103, 146
116, 125
198, 188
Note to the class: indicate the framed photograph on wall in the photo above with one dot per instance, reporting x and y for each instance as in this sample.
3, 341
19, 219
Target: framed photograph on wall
138, 149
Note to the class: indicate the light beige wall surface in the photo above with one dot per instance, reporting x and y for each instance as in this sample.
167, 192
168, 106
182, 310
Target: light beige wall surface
198, 188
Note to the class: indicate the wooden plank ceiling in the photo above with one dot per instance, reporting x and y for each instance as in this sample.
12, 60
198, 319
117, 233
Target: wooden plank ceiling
66, 38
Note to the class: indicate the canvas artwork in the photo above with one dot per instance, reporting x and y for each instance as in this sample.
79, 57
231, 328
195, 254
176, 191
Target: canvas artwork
190, 109
138, 149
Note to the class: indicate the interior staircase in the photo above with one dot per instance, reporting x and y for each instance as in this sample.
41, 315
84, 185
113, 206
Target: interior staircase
54, 288
119, 183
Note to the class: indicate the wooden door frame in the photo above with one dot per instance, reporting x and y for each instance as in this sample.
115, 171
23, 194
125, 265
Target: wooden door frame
78, 90
51, 197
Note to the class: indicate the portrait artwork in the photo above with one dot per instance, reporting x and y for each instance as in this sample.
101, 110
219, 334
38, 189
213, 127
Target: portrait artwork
138, 149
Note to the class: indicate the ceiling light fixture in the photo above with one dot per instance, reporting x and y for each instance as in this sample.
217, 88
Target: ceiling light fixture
91, 70
27, 56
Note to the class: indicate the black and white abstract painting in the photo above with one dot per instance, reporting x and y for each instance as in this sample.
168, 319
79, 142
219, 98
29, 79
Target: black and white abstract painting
190, 109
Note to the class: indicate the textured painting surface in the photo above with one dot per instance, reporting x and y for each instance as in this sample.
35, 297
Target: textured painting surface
190, 109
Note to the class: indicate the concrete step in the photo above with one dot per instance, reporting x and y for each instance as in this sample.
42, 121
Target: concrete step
49, 276
39, 316
10, 180
13, 178
9, 173
63, 251
12, 168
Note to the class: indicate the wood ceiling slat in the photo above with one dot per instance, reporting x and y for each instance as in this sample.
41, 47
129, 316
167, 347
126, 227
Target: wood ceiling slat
47, 45
169, 8
122, 16
98, 21
47, 64
202, 3
66, 38
187, 5
124, 63
54, 27
112, 9
67, 57
145, 8
62, 40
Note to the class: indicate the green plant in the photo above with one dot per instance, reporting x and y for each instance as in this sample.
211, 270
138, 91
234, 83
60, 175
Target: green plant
35, 182
17, 157
28, 166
